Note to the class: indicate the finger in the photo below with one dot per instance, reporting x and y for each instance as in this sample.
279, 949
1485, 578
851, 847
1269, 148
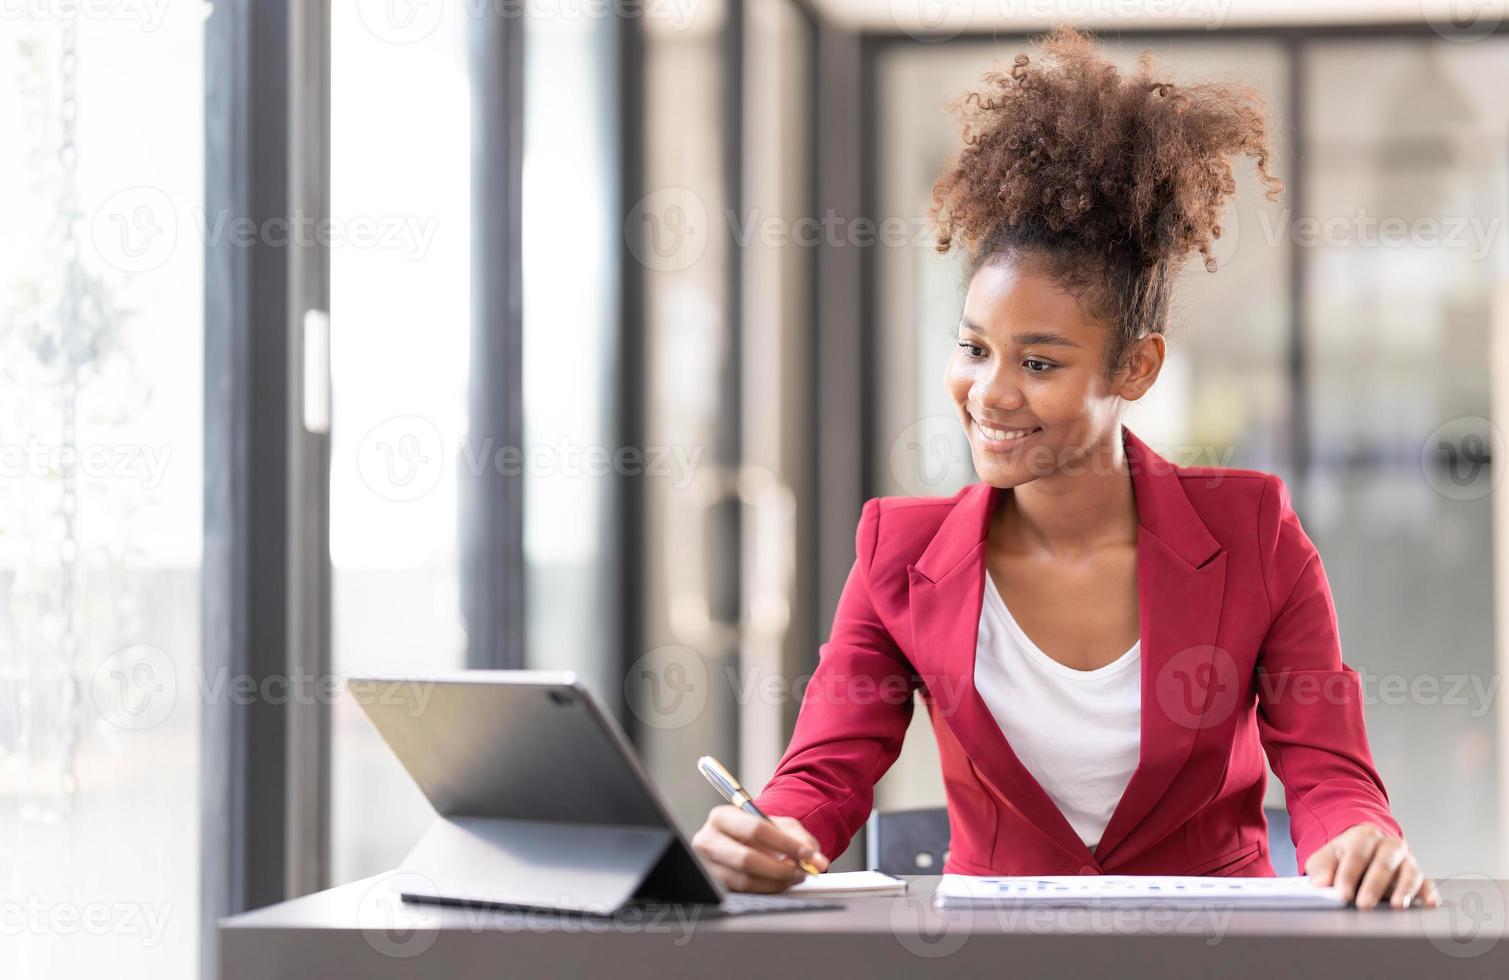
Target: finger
1356, 857
1381, 871
1407, 885
1430, 895
748, 861
794, 828
751, 830
1321, 866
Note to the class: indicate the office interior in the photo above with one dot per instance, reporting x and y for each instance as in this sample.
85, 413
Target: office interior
346, 337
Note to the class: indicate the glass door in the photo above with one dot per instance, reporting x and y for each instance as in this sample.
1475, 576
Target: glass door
101, 543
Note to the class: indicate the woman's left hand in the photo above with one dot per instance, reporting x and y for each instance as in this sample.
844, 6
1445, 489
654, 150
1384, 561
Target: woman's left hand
1370, 864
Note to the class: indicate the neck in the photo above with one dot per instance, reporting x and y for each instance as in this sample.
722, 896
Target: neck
1068, 513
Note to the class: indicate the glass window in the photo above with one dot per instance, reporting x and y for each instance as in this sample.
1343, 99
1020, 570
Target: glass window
1402, 244
400, 321
572, 243
101, 483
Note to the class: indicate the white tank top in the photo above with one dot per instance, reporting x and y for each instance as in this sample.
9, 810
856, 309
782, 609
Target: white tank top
1078, 732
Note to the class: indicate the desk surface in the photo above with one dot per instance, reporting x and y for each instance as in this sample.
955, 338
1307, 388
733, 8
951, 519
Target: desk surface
363, 929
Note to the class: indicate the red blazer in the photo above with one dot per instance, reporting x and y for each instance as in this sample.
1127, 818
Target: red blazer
1240, 656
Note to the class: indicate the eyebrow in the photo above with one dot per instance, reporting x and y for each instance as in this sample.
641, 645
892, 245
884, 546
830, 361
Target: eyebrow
1033, 338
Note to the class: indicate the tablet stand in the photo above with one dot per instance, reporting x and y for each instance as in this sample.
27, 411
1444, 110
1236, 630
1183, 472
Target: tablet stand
592, 868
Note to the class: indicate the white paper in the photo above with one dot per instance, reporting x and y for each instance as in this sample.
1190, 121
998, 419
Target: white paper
858, 882
1136, 890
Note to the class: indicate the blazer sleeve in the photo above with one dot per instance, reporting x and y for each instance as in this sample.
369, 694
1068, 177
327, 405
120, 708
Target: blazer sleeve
1310, 703
854, 714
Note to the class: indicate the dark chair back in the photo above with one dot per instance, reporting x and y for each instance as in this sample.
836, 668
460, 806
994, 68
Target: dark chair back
915, 842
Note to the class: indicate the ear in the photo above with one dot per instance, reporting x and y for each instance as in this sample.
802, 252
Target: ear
1142, 368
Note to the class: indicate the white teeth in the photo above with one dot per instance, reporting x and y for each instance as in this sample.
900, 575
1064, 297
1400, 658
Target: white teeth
1002, 435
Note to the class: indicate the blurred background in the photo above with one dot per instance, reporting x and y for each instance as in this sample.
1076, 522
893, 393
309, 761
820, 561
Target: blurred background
342, 336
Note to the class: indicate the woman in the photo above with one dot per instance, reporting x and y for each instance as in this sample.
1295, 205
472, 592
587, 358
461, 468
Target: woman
1107, 644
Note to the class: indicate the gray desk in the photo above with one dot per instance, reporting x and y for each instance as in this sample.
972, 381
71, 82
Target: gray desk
363, 930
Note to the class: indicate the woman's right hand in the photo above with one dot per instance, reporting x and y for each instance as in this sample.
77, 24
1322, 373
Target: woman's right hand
753, 855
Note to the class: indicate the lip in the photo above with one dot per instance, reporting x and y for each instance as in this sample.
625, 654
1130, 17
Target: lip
1007, 445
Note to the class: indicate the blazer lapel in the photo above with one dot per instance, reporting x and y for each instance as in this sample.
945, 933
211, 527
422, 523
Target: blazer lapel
947, 588
1181, 581
1181, 574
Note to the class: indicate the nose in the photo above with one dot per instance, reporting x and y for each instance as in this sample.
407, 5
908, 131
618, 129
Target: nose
996, 394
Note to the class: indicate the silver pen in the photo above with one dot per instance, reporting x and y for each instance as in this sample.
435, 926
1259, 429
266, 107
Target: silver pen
732, 791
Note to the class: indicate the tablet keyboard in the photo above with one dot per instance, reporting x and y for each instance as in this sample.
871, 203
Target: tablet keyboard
748, 903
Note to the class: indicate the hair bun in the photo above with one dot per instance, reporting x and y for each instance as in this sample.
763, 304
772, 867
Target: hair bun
1066, 153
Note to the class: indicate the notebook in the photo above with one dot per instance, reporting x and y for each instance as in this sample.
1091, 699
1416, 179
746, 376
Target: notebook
1136, 890
849, 883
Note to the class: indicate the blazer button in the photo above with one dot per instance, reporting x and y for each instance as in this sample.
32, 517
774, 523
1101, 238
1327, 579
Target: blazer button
1087, 870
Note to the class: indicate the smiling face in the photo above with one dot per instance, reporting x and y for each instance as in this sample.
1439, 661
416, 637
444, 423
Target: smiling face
1028, 376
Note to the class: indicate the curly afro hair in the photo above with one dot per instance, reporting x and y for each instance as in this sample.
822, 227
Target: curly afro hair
1109, 182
